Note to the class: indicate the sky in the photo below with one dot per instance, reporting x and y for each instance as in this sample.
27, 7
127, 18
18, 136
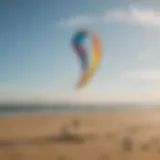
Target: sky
38, 64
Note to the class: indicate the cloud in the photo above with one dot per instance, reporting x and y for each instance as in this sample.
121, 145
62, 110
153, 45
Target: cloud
152, 74
16, 94
147, 17
132, 15
77, 20
146, 56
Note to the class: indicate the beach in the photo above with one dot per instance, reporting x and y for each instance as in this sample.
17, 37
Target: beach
128, 134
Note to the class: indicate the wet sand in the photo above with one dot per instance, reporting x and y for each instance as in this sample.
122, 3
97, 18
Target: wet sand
114, 135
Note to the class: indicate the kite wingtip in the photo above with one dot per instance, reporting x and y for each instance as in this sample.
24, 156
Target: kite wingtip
78, 86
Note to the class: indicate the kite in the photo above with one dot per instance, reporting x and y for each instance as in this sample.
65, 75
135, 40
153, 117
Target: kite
89, 61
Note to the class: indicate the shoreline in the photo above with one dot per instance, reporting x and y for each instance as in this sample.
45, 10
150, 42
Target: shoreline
58, 110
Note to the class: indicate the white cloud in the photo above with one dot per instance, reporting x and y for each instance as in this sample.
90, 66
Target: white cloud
77, 21
147, 75
147, 17
11, 93
91, 96
132, 15
146, 56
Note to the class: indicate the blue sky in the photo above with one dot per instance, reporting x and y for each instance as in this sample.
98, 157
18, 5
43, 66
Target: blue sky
37, 61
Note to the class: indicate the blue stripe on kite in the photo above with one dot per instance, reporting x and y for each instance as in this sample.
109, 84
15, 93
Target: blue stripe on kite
82, 54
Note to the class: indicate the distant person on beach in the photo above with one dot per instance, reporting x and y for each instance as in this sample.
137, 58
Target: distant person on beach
64, 130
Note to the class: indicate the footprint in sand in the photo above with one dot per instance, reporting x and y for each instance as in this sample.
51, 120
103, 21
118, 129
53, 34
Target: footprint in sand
15, 156
63, 157
110, 135
127, 143
103, 157
145, 147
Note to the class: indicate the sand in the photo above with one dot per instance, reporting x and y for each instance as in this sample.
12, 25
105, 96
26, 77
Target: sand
114, 135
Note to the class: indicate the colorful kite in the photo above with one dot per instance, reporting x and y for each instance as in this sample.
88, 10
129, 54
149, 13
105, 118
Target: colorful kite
89, 61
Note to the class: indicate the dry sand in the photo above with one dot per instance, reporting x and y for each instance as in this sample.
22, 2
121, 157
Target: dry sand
114, 135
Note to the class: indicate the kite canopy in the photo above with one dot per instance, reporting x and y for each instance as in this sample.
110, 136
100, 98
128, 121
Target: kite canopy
89, 61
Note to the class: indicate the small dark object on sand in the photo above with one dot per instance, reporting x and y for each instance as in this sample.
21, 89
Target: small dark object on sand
158, 150
91, 136
155, 140
66, 136
104, 157
145, 147
62, 157
15, 156
110, 135
76, 123
70, 138
127, 143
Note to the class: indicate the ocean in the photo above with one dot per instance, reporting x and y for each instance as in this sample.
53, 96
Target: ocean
14, 109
